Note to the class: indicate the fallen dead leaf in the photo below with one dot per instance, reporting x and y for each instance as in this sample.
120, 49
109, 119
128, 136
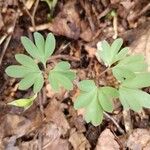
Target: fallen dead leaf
54, 113
52, 138
51, 135
14, 125
78, 141
106, 141
68, 23
139, 140
141, 43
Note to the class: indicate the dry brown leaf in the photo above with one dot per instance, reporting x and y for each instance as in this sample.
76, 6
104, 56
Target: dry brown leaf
106, 141
66, 23
51, 135
52, 140
14, 125
141, 43
78, 141
54, 114
139, 140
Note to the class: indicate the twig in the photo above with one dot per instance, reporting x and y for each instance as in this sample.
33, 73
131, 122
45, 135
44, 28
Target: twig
104, 72
127, 121
143, 11
115, 26
41, 104
34, 11
104, 13
115, 123
8, 38
65, 57
32, 16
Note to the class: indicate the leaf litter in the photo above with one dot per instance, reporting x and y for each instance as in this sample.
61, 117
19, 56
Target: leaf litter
62, 128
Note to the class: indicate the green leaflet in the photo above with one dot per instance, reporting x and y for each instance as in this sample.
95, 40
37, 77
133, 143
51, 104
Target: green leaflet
27, 61
61, 76
87, 94
128, 67
95, 101
135, 63
25, 103
105, 96
87, 85
134, 98
94, 112
29, 71
121, 73
42, 49
51, 3
32, 79
139, 81
50, 44
130, 94
111, 54
103, 52
30, 47
17, 71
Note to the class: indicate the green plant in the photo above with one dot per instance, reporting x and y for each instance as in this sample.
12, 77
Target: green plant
129, 70
30, 72
51, 4
131, 74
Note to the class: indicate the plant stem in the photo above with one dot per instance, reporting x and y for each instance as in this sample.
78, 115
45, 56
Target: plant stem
104, 72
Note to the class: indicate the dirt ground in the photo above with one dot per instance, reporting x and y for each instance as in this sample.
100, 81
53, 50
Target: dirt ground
52, 123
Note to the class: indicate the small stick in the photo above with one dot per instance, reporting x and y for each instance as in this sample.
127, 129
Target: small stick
65, 57
8, 38
127, 121
115, 122
32, 16
115, 26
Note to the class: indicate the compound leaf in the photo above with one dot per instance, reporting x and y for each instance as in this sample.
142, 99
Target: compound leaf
94, 100
111, 54
42, 49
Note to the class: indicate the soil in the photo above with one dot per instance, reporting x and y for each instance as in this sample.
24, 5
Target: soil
52, 123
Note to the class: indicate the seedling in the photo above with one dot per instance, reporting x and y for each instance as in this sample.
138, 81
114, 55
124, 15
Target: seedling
131, 73
60, 76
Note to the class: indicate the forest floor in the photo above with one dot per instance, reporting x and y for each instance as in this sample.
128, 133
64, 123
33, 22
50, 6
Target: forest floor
52, 123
